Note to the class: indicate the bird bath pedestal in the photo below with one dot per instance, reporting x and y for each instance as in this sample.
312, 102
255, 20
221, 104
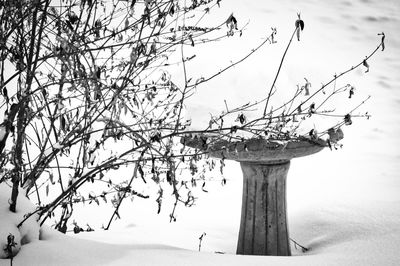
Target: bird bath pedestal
265, 164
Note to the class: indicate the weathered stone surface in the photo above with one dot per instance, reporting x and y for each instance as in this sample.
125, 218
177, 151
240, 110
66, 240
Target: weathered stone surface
263, 227
256, 150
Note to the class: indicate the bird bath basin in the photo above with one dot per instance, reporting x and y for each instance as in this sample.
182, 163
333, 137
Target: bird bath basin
265, 164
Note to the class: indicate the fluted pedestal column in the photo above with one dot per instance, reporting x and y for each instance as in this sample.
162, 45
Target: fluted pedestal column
263, 226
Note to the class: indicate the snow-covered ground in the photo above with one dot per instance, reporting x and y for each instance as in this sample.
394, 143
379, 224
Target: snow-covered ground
343, 205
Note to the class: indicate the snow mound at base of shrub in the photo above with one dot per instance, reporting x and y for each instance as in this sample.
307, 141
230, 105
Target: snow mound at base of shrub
27, 233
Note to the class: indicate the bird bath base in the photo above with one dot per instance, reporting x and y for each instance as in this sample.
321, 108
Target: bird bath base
263, 226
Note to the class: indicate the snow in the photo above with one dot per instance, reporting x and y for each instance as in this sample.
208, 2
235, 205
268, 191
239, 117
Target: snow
27, 233
346, 209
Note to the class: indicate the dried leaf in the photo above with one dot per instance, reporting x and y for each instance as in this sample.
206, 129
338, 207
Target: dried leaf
72, 17
347, 120
299, 23
51, 177
241, 118
126, 23
351, 92
311, 110
172, 10
169, 177
202, 187
63, 123
365, 63
153, 48
299, 109
191, 40
141, 172
313, 134
307, 87
298, 34
382, 40
231, 22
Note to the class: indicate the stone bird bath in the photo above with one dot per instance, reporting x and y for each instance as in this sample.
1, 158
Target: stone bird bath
265, 164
